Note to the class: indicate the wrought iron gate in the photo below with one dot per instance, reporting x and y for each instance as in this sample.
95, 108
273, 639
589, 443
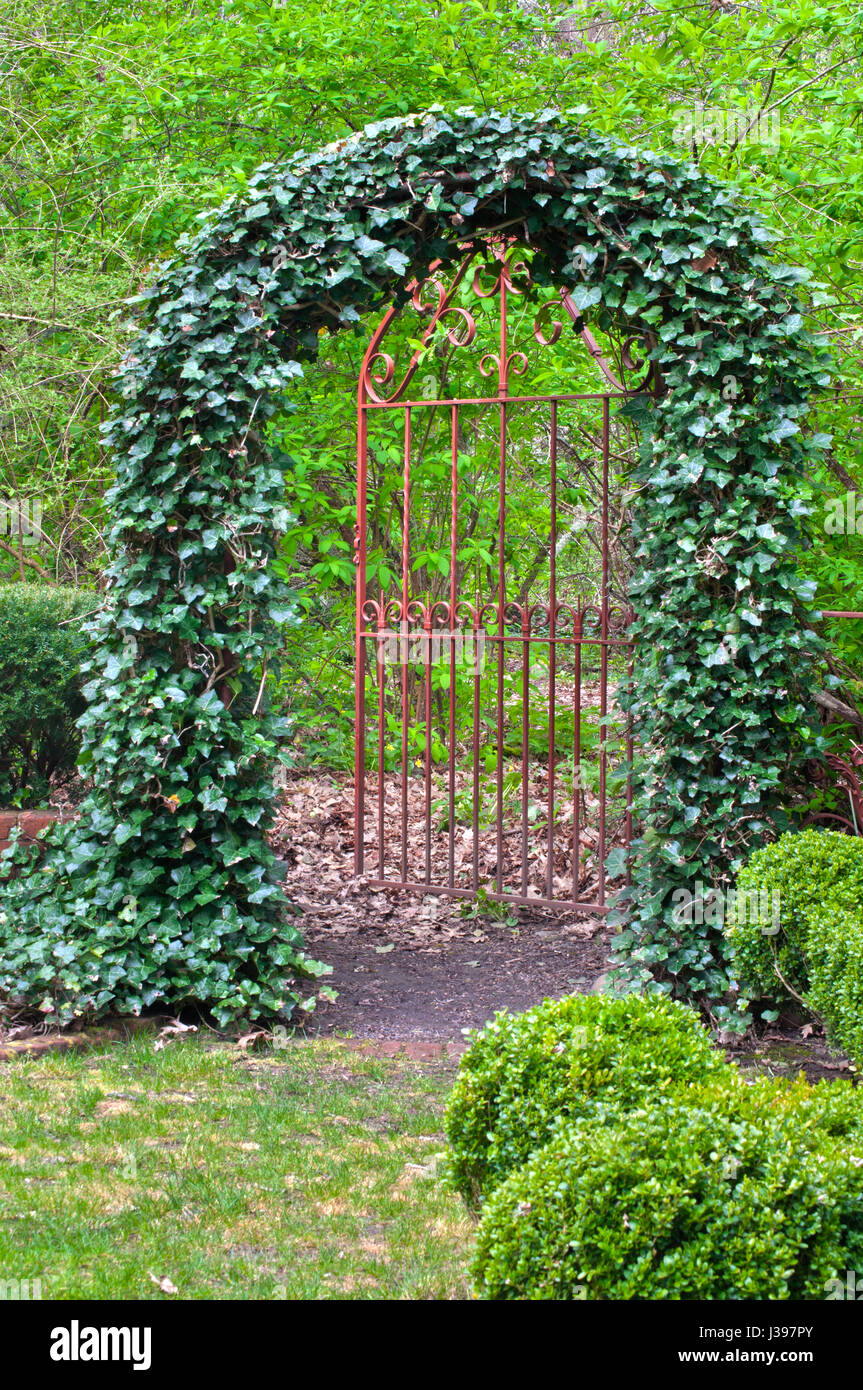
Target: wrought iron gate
490, 751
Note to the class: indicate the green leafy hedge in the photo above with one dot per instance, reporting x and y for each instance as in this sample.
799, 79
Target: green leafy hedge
814, 873
42, 646
523, 1072
816, 957
174, 737
834, 949
727, 1192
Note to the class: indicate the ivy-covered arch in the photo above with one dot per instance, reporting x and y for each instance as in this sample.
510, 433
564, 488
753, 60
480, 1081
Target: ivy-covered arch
165, 889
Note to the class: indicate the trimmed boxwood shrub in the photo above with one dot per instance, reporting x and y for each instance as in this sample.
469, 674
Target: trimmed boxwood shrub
725, 1192
42, 643
562, 1058
816, 873
834, 951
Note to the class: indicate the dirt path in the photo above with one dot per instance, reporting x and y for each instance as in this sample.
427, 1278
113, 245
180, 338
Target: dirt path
392, 989
417, 968
416, 971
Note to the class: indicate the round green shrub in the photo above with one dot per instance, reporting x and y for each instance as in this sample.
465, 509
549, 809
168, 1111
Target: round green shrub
814, 872
42, 643
722, 1192
560, 1059
834, 952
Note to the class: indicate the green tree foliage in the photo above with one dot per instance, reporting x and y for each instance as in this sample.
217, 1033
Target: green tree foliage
121, 121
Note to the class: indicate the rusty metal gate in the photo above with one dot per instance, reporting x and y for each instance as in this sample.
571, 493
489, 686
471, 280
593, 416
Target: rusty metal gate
491, 753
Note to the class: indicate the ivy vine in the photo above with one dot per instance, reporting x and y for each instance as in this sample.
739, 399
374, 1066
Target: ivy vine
165, 889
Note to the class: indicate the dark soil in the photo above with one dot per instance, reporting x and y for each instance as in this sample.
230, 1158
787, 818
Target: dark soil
394, 994
396, 989
783, 1052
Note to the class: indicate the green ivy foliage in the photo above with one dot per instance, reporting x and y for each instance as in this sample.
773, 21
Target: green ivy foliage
173, 735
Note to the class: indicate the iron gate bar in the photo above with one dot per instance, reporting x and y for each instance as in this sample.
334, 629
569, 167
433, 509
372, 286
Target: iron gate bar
453, 549
406, 521
407, 611
494, 400
552, 649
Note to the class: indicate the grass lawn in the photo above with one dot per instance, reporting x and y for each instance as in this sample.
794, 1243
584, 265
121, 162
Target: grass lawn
310, 1172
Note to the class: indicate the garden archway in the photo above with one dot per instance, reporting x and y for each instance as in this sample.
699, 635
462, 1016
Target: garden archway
170, 853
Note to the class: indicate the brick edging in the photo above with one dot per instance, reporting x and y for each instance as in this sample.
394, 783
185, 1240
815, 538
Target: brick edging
29, 823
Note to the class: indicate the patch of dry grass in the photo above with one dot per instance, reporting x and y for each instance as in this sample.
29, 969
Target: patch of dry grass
309, 1172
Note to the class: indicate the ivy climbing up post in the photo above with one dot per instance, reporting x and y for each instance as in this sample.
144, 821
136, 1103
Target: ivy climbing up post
165, 889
